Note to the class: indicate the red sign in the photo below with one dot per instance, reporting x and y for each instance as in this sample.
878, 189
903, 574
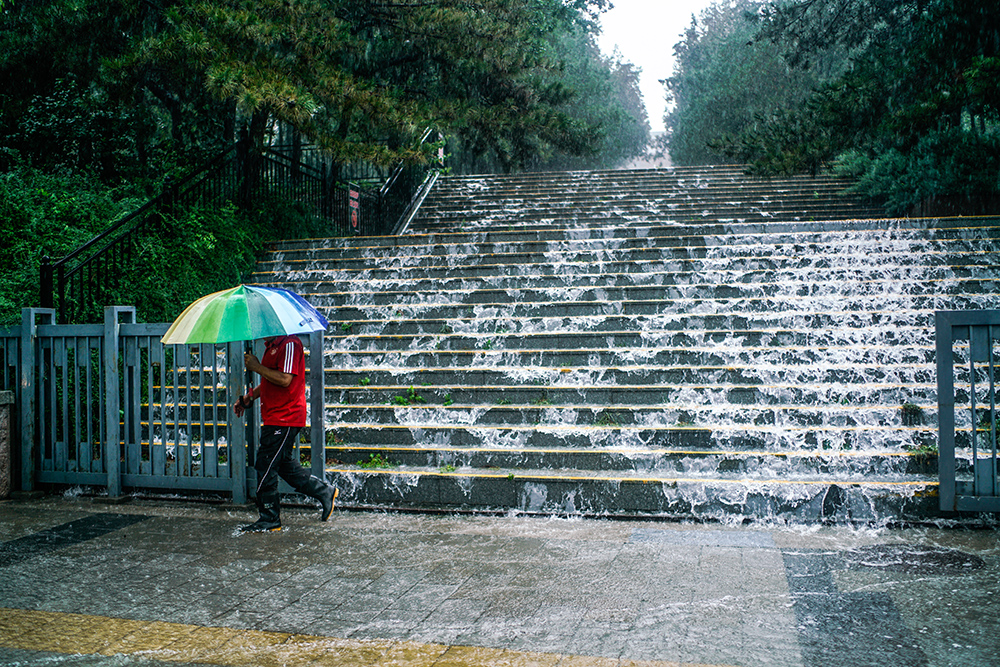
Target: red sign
354, 201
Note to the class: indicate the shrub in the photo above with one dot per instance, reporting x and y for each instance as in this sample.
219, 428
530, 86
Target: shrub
199, 252
45, 214
945, 163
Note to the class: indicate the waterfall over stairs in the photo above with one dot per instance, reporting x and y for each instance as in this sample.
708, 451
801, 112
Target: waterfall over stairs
679, 343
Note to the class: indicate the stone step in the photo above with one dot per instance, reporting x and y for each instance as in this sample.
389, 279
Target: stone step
730, 375
970, 266
803, 306
654, 272
623, 188
685, 343
623, 331
763, 404
772, 438
861, 466
657, 204
641, 260
900, 230
738, 219
615, 494
659, 208
603, 357
318, 284
742, 225
636, 247
548, 297
617, 189
682, 399
428, 408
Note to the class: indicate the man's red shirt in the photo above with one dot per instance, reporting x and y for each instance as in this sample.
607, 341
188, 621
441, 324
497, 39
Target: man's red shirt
284, 406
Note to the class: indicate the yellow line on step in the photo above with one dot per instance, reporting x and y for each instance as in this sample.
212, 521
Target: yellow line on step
635, 480
632, 452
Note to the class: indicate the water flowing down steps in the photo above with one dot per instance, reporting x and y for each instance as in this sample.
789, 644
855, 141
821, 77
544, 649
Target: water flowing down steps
683, 343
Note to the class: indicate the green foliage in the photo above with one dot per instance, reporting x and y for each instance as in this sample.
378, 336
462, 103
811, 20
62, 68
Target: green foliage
126, 88
917, 115
542, 400
598, 115
725, 83
945, 162
43, 214
606, 420
411, 398
109, 92
376, 461
73, 107
176, 262
923, 452
199, 253
913, 414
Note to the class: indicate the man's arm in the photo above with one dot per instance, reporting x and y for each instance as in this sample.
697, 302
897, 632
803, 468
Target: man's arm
271, 375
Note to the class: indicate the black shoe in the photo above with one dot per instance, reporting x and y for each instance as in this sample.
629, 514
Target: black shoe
261, 526
325, 493
269, 506
326, 503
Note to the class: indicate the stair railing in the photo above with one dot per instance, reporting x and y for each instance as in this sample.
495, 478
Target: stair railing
405, 189
78, 284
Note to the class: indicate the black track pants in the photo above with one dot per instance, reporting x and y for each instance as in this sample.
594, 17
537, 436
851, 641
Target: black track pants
276, 456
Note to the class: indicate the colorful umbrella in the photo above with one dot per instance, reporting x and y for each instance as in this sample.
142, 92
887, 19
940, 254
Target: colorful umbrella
244, 313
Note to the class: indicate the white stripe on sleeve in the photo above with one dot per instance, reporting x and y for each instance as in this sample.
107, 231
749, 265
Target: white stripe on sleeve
289, 354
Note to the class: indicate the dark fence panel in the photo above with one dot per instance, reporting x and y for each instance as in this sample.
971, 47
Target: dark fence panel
968, 349
108, 405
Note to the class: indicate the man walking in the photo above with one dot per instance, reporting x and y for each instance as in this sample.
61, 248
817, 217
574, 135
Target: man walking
282, 394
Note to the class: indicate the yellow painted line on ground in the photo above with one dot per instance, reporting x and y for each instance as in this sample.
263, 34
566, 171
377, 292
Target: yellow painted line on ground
177, 642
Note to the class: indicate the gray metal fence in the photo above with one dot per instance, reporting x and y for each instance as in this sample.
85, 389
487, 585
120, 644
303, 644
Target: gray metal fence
109, 405
967, 355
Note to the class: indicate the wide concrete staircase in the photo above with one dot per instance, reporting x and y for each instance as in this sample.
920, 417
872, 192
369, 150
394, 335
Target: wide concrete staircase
679, 343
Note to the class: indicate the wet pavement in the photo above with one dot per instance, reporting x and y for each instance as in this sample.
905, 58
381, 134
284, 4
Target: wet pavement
155, 583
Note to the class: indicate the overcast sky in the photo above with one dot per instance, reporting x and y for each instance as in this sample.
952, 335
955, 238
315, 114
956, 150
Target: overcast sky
645, 32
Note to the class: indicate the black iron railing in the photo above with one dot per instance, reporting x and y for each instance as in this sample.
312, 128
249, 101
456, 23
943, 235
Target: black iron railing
79, 284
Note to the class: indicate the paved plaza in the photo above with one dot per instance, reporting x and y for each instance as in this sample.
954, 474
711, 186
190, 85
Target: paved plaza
151, 583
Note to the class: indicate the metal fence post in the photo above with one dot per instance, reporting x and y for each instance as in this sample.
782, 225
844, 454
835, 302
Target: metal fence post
112, 394
6, 401
236, 426
45, 283
29, 390
946, 412
317, 389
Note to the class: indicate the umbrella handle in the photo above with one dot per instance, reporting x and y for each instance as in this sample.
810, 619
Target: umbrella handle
248, 349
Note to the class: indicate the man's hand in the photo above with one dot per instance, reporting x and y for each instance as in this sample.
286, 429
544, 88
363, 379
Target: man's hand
252, 363
244, 402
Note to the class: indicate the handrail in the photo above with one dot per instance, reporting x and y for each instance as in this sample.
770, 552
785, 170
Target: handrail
172, 191
75, 283
104, 256
390, 182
